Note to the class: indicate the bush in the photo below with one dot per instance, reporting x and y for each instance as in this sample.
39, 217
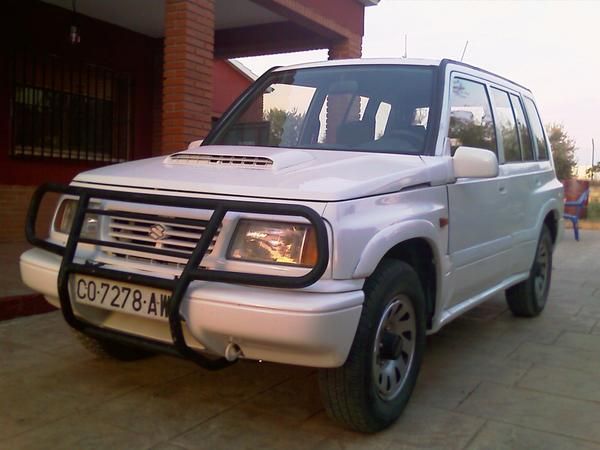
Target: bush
593, 211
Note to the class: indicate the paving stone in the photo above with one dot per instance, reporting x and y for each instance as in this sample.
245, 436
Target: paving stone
93, 381
41, 336
559, 322
592, 282
501, 436
432, 428
241, 429
591, 310
171, 408
78, 432
293, 401
579, 341
536, 410
167, 446
335, 437
555, 356
16, 358
559, 381
25, 406
444, 393
448, 376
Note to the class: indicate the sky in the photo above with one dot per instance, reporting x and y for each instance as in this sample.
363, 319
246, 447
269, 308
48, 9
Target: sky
552, 47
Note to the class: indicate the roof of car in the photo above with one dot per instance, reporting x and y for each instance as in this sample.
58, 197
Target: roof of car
365, 61
394, 61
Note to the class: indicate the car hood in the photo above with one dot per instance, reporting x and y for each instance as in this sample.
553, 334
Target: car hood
259, 172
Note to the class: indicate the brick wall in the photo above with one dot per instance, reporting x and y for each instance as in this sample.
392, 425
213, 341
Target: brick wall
14, 201
187, 72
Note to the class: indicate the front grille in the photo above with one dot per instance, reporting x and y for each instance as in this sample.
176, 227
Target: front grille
177, 235
224, 160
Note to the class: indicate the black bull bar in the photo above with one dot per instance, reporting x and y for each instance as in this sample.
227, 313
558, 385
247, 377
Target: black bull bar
191, 272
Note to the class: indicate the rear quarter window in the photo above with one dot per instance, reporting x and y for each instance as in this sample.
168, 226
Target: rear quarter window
536, 128
524, 134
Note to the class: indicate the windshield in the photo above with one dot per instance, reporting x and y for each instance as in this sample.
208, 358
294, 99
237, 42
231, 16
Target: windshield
376, 108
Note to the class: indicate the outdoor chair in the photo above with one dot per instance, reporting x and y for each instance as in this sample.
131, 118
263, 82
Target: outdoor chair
578, 205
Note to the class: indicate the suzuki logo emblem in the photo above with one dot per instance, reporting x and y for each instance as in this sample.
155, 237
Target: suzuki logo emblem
157, 232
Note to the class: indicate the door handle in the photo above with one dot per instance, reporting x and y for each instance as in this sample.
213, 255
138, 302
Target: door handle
502, 189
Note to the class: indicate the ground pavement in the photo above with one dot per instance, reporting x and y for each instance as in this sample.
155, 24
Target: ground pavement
489, 380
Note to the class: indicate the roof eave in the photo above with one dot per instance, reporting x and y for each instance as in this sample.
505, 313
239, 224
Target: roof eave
368, 2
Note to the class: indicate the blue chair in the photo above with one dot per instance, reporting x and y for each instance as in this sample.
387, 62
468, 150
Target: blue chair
574, 218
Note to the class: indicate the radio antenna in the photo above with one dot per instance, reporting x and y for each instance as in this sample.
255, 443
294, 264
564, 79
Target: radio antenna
464, 51
406, 46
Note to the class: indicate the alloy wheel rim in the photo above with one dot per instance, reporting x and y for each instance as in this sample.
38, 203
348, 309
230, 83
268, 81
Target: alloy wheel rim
394, 349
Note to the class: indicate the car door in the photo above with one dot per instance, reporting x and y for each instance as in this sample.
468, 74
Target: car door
542, 184
515, 157
479, 221
522, 171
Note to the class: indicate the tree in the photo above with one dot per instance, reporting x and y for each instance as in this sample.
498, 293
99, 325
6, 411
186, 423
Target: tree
285, 126
593, 170
563, 149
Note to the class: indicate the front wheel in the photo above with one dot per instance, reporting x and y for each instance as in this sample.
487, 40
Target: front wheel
528, 298
371, 389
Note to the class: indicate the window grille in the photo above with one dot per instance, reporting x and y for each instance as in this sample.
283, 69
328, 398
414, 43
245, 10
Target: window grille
63, 109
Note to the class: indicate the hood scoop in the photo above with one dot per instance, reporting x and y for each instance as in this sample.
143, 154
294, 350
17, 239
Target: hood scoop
276, 160
194, 159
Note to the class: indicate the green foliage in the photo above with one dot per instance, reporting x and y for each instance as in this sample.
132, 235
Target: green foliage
285, 127
593, 170
563, 149
593, 211
470, 133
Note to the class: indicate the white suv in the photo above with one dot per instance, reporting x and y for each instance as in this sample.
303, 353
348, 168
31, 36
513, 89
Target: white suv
335, 215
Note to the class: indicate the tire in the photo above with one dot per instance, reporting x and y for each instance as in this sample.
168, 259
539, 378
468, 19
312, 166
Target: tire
110, 350
369, 392
528, 298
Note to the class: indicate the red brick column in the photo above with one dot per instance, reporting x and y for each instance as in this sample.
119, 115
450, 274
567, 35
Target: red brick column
347, 48
187, 72
337, 106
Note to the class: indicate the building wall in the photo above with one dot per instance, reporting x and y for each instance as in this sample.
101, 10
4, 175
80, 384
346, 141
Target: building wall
349, 14
31, 24
228, 84
43, 27
38, 27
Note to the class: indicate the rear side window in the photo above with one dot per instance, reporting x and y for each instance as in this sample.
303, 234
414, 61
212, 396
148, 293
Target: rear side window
536, 128
506, 123
523, 129
471, 121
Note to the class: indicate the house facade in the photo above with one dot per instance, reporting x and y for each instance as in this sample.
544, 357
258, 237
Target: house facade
86, 83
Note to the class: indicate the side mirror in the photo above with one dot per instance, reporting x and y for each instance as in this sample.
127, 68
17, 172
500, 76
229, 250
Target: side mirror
472, 162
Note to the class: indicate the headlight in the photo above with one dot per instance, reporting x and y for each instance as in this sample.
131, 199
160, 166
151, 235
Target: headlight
274, 243
64, 220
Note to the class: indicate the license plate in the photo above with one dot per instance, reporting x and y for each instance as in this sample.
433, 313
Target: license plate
123, 297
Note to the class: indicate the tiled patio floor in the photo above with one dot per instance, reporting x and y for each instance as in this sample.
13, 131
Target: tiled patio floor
489, 381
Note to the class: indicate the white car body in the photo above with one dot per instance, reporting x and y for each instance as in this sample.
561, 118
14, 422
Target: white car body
482, 234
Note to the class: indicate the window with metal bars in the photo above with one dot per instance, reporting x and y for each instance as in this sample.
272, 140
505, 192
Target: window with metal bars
64, 109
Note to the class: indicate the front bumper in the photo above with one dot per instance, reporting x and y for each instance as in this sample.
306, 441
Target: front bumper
308, 327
